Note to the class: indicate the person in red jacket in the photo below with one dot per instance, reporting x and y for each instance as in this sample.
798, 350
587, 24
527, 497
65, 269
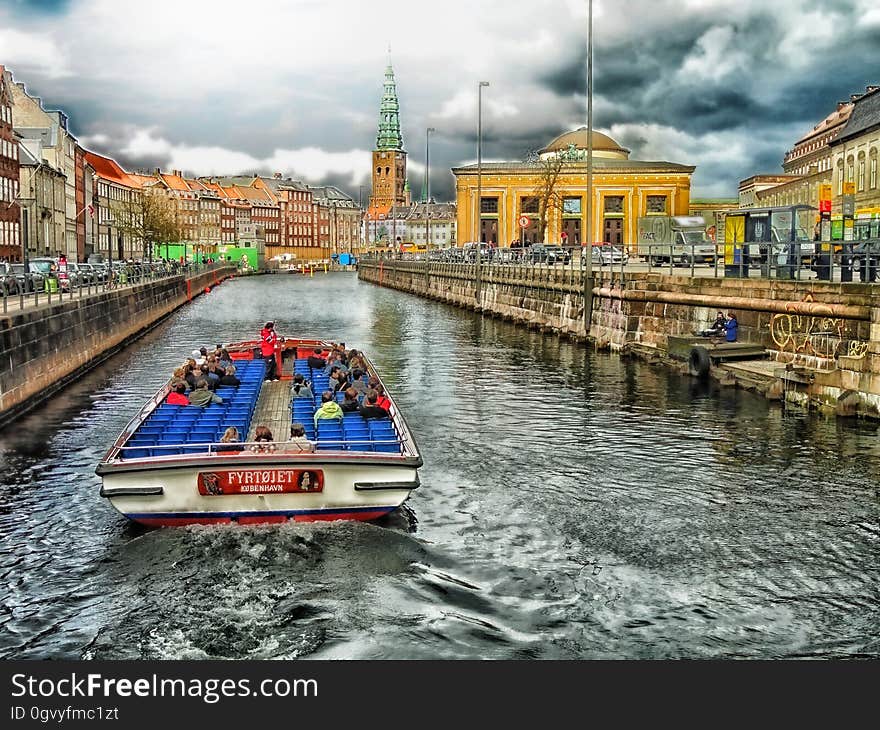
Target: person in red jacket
268, 340
177, 396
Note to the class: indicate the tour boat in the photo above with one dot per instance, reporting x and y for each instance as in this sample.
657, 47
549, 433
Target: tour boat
168, 466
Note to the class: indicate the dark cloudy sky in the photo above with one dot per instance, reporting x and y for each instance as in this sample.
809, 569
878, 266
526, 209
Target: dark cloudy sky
224, 86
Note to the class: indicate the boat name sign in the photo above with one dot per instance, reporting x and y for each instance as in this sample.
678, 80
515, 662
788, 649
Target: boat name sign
260, 481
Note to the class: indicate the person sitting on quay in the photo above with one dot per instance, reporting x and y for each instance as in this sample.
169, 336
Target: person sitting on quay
229, 378
731, 327
263, 440
315, 361
298, 442
717, 327
329, 409
301, 387
370, 408
350, 404
177, 396
202, 396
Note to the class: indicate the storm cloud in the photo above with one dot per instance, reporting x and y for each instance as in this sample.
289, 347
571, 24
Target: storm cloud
726, 86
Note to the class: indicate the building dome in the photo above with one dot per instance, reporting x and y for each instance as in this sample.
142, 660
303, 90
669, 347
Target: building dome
603, 145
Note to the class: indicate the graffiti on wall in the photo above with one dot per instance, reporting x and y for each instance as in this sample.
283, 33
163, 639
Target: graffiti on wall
819, 334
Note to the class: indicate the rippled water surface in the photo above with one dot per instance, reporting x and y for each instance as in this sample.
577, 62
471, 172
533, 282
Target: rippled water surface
574, 505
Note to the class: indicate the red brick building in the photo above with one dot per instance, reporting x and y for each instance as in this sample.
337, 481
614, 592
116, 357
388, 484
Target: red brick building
10, 214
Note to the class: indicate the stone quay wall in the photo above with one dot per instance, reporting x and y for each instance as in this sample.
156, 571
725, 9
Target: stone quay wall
46, 347
823, 336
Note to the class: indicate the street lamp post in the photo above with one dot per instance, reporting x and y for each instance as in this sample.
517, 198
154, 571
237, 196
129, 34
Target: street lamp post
428, 187
588, 278
477, 239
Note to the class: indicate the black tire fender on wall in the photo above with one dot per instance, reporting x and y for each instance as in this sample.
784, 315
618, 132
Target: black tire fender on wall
699, 362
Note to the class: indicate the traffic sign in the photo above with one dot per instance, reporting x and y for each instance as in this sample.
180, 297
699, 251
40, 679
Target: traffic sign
524, 221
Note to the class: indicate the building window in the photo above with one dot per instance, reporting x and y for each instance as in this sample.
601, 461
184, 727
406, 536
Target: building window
571, 206
873, 178
489, 205
529, 205
861, 182
656, 204
614, 204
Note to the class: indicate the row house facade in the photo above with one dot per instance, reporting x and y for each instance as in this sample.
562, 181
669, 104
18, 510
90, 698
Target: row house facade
227, 212
186, 204
117, 209
432, 224
32, 121
44, 214
343, 219
296, 227
10, 216
209, 214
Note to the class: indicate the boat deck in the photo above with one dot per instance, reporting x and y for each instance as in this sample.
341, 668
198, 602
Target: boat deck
173, 430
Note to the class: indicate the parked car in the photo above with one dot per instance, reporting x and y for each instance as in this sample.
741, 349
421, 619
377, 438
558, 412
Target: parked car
8, 280
865, 258
90, 274
47, 268
33, 281
487, 251
604, 254
540, 253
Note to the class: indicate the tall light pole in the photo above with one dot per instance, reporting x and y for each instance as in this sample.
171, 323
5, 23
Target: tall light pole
428, 187
477, 238
588, 278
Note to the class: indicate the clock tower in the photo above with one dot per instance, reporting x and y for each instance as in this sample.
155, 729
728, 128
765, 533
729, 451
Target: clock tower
389, 157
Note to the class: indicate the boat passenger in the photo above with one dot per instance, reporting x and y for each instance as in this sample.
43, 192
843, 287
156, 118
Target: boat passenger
298, 441
338, 379
315, 360
329, 408
263, 438
201, 396
223, 359
370, 409
302, 388
268, 340
357, 381
229, 378
382, 401
356, 360
351, 403
212, 372
177, 396
230, 440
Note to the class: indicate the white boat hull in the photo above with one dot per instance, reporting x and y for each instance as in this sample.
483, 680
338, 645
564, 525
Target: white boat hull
172, 496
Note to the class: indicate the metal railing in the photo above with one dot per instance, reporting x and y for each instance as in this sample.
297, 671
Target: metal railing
838, 261
20, 291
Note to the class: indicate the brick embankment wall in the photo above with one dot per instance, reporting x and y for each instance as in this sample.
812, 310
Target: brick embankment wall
44, 348
824, 336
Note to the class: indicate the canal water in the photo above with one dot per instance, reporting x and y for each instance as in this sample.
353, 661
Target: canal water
574, 505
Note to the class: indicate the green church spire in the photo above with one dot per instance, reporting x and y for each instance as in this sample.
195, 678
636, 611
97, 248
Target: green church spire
389, 116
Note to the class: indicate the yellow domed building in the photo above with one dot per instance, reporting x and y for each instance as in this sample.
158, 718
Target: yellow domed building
552, 187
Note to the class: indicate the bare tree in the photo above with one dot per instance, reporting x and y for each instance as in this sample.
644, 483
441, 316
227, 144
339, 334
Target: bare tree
548, 197
147, 216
